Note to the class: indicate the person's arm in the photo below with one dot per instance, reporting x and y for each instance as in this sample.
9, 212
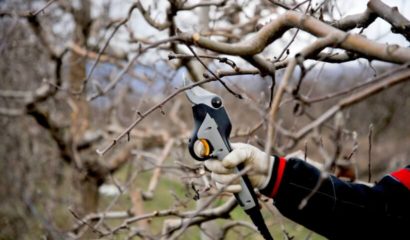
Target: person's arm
337, 210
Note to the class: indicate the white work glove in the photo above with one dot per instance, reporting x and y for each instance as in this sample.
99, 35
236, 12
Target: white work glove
223, 171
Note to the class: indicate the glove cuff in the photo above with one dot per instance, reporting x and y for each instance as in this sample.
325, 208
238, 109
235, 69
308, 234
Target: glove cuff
270, 166
271, 186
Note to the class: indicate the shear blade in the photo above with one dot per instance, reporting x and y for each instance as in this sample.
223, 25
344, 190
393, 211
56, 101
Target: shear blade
198, 95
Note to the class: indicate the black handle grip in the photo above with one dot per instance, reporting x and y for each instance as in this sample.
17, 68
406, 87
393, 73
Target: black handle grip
254, 213
249, 186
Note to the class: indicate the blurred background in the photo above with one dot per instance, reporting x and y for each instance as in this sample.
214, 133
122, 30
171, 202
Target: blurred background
75, 74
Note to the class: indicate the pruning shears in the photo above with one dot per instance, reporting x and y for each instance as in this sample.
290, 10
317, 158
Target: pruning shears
212, 130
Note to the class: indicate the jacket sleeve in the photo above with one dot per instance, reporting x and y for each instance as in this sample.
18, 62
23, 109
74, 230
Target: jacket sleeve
340, 209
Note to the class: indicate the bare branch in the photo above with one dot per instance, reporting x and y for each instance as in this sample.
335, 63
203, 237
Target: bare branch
226, 60
191, 219
275, 29
355, 21
28, 14
219, 3
399, 23
213, 74
264, 66
204, 215
389, 81
93, 55
232, 224
107, 42
152, 22
149, 111
157, 172
127, 67
309, 50
351, 89
280, 4
44, 7
164, 101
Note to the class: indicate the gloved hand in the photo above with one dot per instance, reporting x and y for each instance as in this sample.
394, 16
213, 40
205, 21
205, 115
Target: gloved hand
223, 171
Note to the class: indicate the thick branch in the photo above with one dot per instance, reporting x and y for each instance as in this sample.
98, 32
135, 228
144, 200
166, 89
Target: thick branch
275, 29
399, 23
57, 133
355, 21
265, 67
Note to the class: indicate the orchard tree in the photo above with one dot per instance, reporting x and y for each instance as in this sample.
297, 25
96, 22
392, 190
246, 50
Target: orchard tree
92, 96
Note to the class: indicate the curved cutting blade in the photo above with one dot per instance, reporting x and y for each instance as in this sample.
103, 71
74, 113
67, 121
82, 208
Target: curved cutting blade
198, 95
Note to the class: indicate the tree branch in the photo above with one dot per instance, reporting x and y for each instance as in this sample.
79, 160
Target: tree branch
275, 29
389, 81
127, 131
150, 21
355, 21
399, 23
220, 3
127, 67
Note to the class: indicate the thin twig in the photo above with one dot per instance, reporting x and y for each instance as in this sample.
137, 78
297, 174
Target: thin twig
82, 222
286, 48
388, 81
280, 4
129, 65
210, 200
226, 60
43, 8
213, 74
143, 115
127, 131
107, 42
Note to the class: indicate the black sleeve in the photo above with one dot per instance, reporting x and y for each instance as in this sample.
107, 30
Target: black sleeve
339, 209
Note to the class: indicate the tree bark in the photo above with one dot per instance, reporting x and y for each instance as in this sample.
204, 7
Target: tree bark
88, 187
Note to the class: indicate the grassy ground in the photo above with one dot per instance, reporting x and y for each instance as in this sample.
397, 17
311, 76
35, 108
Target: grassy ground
165, 198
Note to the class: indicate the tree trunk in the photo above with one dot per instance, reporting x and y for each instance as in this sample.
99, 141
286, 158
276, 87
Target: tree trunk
86, 180
87, 187
88, 190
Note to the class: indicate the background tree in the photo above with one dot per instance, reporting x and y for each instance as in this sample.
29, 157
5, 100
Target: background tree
91, 104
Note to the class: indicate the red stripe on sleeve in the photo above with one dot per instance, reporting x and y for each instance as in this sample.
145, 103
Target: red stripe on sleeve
403, 176
279, 175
